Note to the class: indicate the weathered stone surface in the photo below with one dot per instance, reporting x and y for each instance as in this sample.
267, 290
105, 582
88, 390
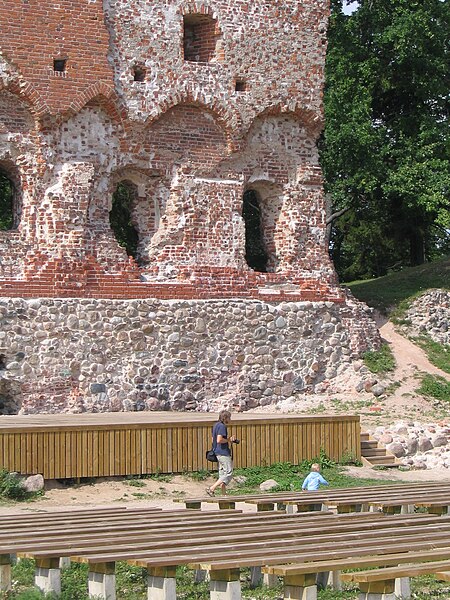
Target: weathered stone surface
425, 444
268, 485
397, 449
110, 370
439, 440
34, 483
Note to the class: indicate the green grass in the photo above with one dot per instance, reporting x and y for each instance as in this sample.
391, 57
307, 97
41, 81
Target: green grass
380, 361
435, 387
131, 585
290, 477
386, 292
438, 354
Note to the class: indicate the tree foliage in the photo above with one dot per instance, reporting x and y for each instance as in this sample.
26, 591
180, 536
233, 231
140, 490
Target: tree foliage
385, 150
120, 217
6, 202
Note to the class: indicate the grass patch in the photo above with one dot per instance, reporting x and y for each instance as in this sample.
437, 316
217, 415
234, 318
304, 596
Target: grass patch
438, 354
380, 361
201, 475
131, 584
388, 291
435, 387
290, 477
11, 488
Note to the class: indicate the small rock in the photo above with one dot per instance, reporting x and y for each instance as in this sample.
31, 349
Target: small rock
240, 479
439, 440
425, 444
34, 483
378, 390
268, 485
412, 446
386, 438
420, 465
397, 449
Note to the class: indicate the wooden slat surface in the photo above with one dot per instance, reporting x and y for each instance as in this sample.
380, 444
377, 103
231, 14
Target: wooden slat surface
108, 444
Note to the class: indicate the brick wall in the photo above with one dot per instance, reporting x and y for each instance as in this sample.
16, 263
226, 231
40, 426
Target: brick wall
188, 140
36, 32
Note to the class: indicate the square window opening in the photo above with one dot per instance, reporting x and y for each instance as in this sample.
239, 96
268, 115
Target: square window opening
59, 65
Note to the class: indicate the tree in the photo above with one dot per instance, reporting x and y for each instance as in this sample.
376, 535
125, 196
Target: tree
6, 202
120, 217
385, 150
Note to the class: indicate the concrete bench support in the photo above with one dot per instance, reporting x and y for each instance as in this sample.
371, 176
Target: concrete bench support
402, 588
225, 584
300, 587
194, 505
255, 577
5, 572
377, 590
161, 583
47, 575
102, 580
329, 579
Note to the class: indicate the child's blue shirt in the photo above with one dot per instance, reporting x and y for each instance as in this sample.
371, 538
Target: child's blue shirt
313, 481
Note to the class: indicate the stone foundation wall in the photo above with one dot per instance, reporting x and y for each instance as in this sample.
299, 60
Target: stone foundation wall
111, 355
430, 314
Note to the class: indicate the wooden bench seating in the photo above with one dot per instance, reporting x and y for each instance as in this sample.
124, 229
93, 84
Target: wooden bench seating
162, 540
381, 583
301, 576
346, 499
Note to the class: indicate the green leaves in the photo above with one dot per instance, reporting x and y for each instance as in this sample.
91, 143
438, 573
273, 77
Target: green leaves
385, 151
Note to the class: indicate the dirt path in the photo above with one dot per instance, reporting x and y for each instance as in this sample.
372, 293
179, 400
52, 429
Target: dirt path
410, 358
404, 402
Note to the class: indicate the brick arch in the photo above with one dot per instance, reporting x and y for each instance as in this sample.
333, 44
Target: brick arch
313, 121
27, 93
106, 98
226, 118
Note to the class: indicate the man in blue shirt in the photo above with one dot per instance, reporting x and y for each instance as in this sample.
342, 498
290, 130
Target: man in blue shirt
314, 479
220, 445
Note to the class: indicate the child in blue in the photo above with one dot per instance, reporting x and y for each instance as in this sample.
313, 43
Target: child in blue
314, 479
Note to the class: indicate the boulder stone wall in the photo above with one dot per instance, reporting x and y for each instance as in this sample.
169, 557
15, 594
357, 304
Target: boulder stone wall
90, 355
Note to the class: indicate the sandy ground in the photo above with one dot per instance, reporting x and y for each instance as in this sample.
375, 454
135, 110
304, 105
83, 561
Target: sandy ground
163, 494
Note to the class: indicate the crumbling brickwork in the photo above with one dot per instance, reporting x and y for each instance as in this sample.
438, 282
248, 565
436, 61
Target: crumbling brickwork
191, 103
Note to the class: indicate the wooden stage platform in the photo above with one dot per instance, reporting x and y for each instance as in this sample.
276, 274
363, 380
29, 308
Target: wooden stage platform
109, 444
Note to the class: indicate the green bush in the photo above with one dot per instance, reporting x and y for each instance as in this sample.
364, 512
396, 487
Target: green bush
435, 387
380, 361
11, 486
438, 354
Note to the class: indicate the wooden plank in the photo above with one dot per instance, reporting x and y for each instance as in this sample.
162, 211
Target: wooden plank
393, 572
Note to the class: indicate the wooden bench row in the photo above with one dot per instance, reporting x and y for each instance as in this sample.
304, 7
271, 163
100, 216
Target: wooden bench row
391, 499
190, 538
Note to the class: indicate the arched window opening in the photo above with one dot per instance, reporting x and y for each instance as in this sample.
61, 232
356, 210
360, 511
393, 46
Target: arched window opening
255, 247
9, 214
121, 217
199, 37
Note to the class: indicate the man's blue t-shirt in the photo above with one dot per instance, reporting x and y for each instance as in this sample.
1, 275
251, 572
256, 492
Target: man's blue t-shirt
220, 449
313, 481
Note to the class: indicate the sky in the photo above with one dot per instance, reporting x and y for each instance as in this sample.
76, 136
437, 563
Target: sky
350, 8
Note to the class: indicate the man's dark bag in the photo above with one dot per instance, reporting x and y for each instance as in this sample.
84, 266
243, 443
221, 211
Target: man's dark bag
211, 456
